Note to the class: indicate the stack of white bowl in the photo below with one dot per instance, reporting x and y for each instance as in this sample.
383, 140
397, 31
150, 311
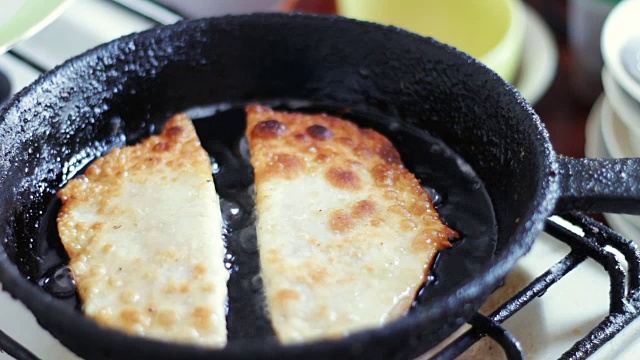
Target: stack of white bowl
613, 127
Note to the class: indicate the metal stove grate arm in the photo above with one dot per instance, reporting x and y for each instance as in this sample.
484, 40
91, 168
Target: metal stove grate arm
624, 301
14, 348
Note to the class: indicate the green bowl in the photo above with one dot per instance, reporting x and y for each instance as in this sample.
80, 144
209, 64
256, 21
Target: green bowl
30, 17
489, 30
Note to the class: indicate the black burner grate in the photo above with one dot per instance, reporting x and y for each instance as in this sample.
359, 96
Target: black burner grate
624, 304
14, 349
624, 300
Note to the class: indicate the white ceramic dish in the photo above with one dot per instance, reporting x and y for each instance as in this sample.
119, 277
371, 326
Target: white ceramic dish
624, 106
539, 58
635, 143
603, 117
615, 133
594, 144
622, 24
624, 226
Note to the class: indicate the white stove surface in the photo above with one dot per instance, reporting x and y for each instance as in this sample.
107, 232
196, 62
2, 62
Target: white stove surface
552, 323
546, 327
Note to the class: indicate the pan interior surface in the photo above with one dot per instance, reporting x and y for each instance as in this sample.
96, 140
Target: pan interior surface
457, 192
121, 92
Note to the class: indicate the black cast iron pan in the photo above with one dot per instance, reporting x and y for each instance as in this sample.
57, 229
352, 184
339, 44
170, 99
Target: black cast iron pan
393, 79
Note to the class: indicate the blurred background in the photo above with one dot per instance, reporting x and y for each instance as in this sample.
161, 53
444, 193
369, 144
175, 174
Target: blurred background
549, 49
576, 61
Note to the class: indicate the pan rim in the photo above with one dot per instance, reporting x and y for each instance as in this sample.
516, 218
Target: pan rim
543, 205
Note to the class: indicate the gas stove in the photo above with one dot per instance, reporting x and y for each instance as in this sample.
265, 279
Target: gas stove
576, 289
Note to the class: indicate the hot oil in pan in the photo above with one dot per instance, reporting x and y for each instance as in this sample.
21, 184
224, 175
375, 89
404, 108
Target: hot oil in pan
222, 137
458, 194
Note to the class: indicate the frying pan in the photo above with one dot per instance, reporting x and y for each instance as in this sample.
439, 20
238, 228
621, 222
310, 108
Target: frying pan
383, 71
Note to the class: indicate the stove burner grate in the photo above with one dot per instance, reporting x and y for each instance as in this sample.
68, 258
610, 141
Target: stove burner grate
624, 304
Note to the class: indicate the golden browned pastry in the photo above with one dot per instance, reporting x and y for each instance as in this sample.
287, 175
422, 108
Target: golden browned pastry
142, 228
346, 233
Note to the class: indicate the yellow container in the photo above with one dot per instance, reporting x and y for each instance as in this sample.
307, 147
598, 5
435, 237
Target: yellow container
489, 30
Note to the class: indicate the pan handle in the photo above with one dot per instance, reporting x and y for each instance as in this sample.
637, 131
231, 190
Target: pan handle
599, 185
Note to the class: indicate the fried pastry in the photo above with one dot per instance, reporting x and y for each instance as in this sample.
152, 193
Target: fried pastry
142, 228
346, 233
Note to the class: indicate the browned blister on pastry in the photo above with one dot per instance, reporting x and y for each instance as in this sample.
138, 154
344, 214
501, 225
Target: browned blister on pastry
346, 233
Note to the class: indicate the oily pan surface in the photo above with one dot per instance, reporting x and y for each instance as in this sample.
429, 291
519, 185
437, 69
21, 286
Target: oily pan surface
133, 82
